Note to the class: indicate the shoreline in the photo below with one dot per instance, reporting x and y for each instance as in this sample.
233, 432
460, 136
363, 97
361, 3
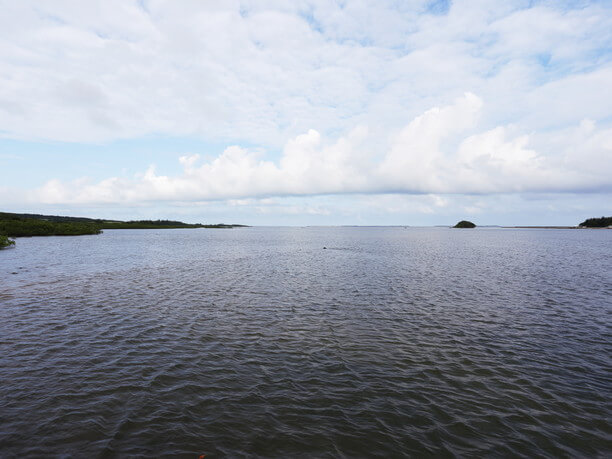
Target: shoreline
542, 227
558, 227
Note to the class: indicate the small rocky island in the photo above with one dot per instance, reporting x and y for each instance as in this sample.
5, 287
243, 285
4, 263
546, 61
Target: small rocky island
465, 224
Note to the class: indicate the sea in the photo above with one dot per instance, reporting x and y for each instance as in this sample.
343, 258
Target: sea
309, 342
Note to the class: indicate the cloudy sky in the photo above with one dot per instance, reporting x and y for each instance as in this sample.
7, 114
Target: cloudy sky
328, 112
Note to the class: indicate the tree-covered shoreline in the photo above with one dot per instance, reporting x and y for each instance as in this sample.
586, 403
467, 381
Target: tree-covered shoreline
26, 225
31, 227
602, 222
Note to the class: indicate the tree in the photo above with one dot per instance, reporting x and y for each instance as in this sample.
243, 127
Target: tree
597, 222
5, 241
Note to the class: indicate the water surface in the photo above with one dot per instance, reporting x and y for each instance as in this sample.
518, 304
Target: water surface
260, 342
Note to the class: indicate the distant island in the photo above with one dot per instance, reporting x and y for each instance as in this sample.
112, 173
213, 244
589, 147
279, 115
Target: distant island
602, 222
465, 224
24, 225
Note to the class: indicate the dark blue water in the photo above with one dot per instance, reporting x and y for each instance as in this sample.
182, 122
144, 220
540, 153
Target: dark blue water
260, 342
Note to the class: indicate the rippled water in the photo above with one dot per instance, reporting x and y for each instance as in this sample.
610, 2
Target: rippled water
260, 342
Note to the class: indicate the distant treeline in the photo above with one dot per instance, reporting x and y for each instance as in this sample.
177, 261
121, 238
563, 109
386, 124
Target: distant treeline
17, 225
156, 224
14, 225
597, 222
50, 218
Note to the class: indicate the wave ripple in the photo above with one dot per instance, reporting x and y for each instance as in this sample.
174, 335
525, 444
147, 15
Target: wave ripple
256, 342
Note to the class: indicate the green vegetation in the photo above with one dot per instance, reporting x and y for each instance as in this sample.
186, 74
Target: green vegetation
49, 218
18, 225
5, 241
465, 224
602, 222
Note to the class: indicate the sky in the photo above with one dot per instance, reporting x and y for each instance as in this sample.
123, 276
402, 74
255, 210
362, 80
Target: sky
345, 112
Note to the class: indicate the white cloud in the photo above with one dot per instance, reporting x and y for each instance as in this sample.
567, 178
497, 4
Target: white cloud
441, 151
358, 97
416, 161
263, 72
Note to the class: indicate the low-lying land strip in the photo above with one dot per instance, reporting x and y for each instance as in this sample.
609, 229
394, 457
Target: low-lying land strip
23, 225
13, 225
159, 224
541, 227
